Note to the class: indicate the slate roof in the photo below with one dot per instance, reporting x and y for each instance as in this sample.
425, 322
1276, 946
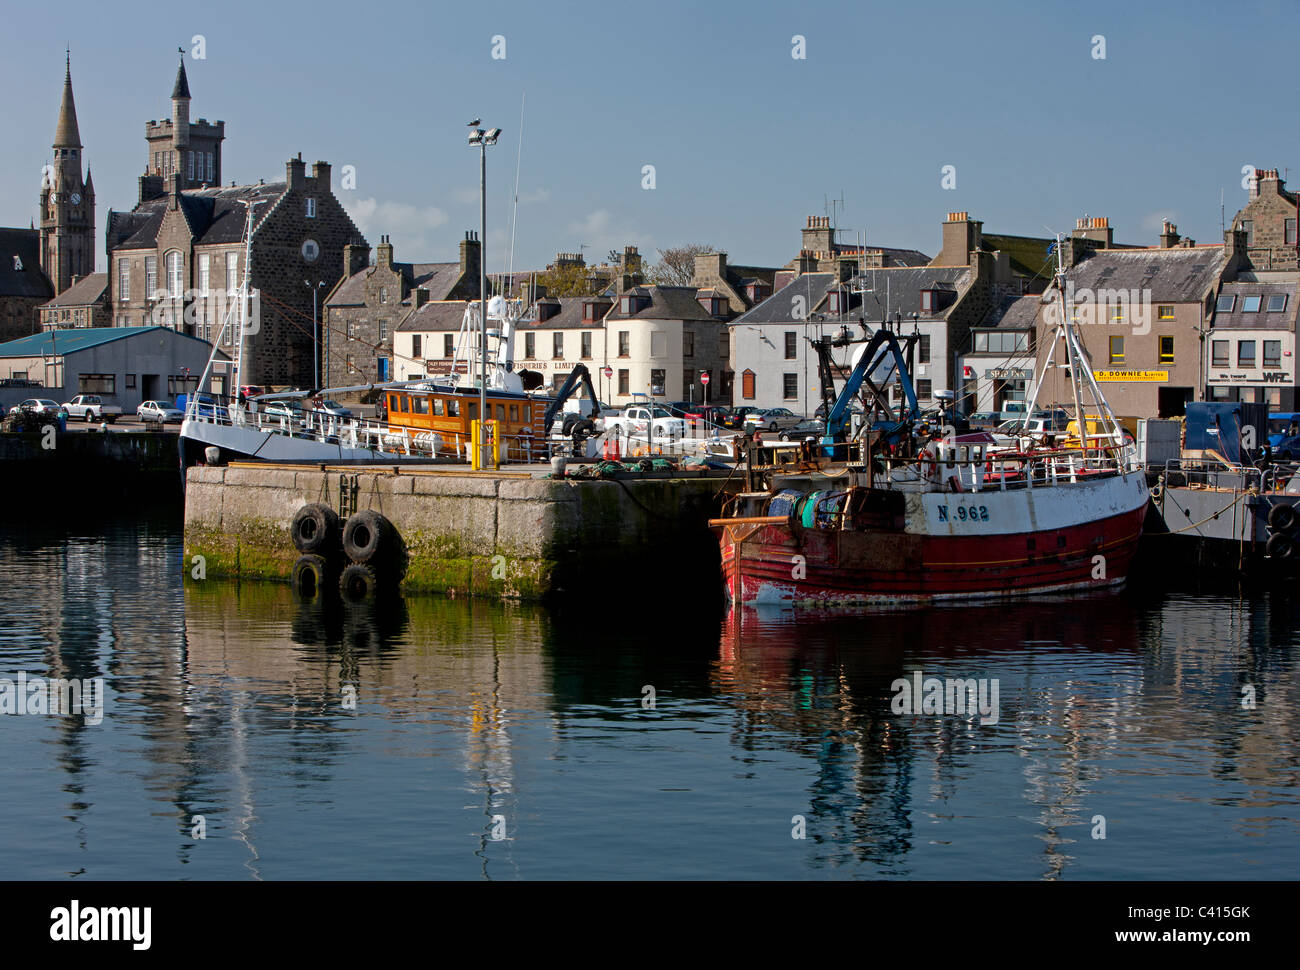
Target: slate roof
1261, 320
570, 316
437, 278
439, 315
901, 288
86, 292
1173, 275
62, 342
181, 89
215, 215
666, 303
30, 281
779, 307
1013, 313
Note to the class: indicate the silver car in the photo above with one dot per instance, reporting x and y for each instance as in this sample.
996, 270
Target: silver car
771, 419
159, 411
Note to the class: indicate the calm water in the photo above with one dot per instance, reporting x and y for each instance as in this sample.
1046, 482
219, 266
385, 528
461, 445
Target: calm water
511, 742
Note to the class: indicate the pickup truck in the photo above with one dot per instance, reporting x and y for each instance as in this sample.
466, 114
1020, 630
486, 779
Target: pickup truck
631, 422
89, 407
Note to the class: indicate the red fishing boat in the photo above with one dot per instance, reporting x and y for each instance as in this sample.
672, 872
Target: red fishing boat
909, 513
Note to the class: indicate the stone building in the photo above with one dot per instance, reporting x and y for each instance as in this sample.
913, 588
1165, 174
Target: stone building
67, 202
658, 340
23, 283
1252, 341
370, 303
1269, 221
177, 258
84, 304
743, 287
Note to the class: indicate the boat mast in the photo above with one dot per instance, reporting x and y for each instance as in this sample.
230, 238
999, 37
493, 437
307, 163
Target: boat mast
249, 204
1070, 349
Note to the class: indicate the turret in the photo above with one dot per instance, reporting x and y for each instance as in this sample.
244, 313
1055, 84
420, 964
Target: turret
181, 106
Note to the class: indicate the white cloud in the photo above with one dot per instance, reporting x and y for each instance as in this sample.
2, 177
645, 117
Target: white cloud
600, 231
1153, 221
411, 227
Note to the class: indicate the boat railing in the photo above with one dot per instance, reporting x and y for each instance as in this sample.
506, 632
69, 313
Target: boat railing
1205, 473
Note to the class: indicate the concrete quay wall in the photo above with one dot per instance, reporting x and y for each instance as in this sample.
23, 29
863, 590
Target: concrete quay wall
485, 534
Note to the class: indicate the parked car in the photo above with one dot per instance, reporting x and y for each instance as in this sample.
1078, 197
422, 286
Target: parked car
41, 405
334, 408
983, 419
632, 420
91, 407
716, 415
685, 409
159, 411
771, 419
282, 409
809, 429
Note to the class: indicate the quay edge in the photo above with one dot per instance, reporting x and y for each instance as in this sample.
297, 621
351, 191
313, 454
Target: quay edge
501, 535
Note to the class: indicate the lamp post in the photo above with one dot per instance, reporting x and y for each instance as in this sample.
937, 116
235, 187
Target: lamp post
315, 336
482, 139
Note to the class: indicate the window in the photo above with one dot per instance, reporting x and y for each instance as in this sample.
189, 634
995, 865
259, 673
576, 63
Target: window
415, 345
530, 345
189, 166
1245, 353
1250, 304
724, 343
927, 301
1277, 303
175, 274
1272, 353
586, 345
383, 294
790, 386
924, 389
1166, 350
688, 380
419, 405
1249, 226
688, 343
97, 383
624, 344
1226, 302
123, 279
130, 382
1010, 342
791, 345
557, 346
352, 364
453, 408
383, 328
311, 208
352, 329
205, 270
212, 171
151, 277
1165, 313
923, 349
514, 412
623, 381
448, 345
182, 384
1220, 394
747, 384
658, 377
1117, 314
437, 406
232, 272
1289, 229
1117, 350
1219, 353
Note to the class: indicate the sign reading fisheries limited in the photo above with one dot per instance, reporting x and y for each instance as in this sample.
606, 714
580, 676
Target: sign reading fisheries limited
1132, 376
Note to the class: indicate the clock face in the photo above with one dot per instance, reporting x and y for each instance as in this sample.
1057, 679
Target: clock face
311, 250
76, 198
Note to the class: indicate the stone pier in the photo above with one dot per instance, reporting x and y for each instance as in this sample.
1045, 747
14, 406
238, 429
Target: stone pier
506, 534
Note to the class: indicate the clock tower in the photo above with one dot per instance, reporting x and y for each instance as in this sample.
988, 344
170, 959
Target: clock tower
67, 202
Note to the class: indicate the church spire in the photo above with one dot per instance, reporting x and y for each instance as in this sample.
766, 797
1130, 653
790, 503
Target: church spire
181, 89
67, 135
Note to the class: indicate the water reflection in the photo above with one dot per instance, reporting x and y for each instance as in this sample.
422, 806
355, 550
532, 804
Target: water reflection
425, 736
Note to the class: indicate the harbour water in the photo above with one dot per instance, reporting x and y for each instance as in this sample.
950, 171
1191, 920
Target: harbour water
633, 737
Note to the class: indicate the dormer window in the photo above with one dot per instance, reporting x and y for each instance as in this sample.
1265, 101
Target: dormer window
589, 311
311, 208
928, 301
627, 304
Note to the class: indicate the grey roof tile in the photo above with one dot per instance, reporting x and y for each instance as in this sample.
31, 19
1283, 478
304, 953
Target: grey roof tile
30, 281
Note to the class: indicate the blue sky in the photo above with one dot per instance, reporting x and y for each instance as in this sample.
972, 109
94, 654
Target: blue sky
745, 139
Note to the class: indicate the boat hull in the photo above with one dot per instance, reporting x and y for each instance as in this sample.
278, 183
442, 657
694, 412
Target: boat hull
261, 445
991, 545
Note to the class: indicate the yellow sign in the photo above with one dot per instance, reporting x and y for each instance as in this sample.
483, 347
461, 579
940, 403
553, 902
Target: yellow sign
1132, 376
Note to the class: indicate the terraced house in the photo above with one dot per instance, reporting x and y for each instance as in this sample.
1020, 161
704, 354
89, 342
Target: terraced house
371, 304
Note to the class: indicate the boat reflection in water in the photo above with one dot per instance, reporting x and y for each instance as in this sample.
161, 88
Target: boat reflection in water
430, 737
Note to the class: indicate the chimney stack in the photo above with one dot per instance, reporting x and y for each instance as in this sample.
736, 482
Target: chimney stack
1168, 235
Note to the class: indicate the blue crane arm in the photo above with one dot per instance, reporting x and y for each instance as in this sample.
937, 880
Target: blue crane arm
579, 374
883, 344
